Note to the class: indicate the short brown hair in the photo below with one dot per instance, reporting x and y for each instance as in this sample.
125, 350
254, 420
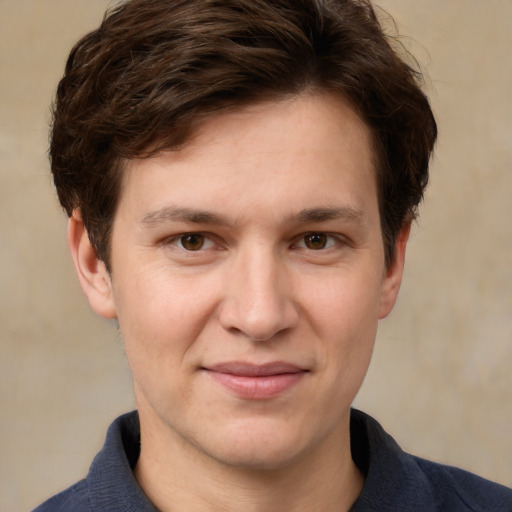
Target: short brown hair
154, 69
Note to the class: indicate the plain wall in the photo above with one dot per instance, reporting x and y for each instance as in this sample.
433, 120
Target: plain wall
441, 379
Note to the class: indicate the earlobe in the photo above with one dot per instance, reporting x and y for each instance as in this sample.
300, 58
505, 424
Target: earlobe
91, 271
393, 276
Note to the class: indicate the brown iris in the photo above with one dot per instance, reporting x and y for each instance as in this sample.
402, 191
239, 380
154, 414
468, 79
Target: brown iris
192, 242
315, 241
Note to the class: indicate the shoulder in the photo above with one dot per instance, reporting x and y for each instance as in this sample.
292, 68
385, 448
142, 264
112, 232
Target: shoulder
454, 486
110, 484
399, 482
73, 499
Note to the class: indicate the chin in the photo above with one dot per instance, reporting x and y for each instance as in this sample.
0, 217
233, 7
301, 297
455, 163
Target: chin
258, 459
258, 448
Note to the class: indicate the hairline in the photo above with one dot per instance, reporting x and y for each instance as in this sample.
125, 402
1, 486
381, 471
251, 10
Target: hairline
198, 122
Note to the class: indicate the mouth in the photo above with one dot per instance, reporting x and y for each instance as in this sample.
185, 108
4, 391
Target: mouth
256, 382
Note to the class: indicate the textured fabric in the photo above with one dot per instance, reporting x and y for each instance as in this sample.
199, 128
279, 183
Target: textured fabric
395, 481
110, 485
399, 482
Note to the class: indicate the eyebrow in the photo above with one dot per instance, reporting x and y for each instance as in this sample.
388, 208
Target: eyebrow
347, 213
188, 215
196, 216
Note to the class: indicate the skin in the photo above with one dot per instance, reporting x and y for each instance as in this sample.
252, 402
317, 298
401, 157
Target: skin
286, 264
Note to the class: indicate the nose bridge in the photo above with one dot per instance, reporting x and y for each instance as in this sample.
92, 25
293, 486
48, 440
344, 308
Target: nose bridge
260, 272
258, 302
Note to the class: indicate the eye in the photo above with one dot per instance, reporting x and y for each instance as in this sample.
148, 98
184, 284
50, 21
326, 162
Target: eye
317, 241
193, 242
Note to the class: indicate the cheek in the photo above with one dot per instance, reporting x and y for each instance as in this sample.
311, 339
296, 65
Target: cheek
347, 301
160, 317
160, 320
344, 314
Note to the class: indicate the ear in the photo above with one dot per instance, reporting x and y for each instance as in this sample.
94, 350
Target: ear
92, 273
394, 272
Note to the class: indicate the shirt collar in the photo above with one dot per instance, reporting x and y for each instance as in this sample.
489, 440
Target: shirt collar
392, 477
390, 474
111, 483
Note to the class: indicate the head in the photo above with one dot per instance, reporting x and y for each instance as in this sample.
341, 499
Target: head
155, 71
241, 176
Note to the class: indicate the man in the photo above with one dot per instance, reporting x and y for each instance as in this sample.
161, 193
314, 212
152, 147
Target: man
241, 177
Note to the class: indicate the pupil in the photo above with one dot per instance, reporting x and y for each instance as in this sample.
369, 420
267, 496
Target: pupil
192, 242
316, 241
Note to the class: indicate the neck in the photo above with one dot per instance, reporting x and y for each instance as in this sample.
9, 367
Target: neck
177, 477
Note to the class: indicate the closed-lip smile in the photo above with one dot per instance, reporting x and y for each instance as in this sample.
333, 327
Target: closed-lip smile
256, 381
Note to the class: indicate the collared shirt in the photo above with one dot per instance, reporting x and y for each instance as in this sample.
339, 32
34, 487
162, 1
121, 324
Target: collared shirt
394, 480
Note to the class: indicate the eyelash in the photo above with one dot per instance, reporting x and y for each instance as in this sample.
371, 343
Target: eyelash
328, 239
178, 240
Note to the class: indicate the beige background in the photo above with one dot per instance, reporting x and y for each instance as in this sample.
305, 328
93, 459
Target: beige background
440, 381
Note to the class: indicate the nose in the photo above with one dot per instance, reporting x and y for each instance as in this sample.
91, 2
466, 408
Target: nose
259, 300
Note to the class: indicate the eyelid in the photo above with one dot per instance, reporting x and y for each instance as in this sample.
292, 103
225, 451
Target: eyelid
212, 242
336, 238
174, 241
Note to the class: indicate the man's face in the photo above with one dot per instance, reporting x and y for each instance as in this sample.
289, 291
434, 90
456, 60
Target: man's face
248, 278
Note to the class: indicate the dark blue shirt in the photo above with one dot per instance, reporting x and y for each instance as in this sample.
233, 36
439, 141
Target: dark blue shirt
394, 480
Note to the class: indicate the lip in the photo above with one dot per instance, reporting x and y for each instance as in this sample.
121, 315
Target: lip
254, 381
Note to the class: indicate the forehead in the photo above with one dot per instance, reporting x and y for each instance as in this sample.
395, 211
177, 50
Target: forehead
310, 147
